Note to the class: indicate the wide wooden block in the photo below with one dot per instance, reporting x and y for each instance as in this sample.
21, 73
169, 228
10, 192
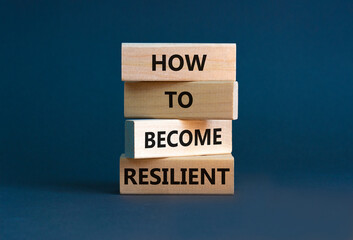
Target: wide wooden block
181, 100
165, 138
177, 62
212, 174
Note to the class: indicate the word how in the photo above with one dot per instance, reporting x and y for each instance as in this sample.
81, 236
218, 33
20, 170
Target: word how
179, 63
166, 176
164, 139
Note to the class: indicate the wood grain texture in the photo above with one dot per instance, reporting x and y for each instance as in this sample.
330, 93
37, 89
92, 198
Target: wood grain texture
178, 175
219, 64
164, 138
210, 100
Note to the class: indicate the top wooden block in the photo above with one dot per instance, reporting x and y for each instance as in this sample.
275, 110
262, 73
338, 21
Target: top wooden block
178, 62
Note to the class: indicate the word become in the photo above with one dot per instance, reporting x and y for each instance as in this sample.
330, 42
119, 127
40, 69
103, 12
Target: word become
166, 176
178, 67
180, 97
162, 141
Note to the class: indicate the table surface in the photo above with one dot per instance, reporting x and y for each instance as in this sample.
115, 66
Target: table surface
284, 207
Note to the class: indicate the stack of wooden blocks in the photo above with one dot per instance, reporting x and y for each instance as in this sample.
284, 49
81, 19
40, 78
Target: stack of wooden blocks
185, 97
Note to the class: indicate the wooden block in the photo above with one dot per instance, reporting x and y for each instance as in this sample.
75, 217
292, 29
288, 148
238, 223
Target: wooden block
212, 174
182, 100
166, 138
177, 62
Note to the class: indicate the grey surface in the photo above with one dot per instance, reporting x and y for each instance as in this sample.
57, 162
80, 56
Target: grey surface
287, 207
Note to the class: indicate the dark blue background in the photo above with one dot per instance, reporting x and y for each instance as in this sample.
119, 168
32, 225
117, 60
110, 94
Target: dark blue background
61, 101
